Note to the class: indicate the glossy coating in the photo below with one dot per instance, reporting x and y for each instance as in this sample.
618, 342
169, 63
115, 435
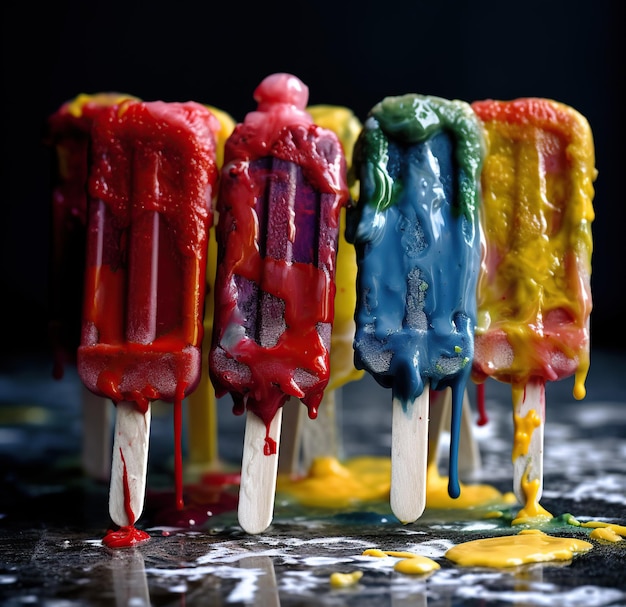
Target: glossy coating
282, 187
416, 235
150, 187
415, 230
534, 295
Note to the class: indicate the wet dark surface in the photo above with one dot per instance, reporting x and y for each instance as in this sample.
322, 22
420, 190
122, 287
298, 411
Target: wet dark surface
53, 517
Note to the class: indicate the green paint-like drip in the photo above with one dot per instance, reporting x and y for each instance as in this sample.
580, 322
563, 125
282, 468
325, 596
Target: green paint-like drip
415, 118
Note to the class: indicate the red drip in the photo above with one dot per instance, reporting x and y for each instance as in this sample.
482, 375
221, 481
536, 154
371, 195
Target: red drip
130, 515
269, 448
58, 364
480, 405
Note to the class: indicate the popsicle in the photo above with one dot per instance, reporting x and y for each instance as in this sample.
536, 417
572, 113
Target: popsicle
151, 178
321, 437
202, 430
68, 136
416, 234
282, 187
534, 296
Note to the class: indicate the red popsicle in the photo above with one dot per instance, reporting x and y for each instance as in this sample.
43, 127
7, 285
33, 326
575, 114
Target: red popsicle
151, 183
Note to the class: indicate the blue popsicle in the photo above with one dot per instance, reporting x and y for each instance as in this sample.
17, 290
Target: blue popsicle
416, 233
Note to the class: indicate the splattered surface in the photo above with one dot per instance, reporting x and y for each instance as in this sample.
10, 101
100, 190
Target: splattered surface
53, 518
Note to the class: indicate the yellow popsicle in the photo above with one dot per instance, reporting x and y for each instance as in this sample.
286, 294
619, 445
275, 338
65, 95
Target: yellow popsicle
202, 431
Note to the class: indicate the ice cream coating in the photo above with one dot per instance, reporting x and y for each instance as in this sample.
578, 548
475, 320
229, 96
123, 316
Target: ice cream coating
534, 298
150, 160
415, 230
276, 152
416, 234
181, 137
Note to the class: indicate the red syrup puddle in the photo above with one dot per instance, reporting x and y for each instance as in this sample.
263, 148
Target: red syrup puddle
215, 494
125, 537
195, 504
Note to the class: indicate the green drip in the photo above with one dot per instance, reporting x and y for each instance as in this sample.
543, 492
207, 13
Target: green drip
413, 119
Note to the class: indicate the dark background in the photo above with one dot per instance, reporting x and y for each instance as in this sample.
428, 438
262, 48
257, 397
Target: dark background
351, 54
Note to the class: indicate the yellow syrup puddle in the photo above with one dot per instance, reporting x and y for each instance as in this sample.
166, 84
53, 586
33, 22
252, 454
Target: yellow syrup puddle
528, 546
335, 485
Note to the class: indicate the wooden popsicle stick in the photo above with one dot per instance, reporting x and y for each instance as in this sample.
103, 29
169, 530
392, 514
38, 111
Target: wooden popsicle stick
294, 417
529, 416
440, 413
409, 457
129, 463
470, 461
321, 436
97, 414
438, 421
257, 488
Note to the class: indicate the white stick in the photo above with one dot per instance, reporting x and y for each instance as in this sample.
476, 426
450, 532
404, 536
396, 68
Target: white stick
469, 454
409, 457
440, 414
321, 436
294, 416
438, 422
97, 435
129, 463
529, 407
257, 488
305, 439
